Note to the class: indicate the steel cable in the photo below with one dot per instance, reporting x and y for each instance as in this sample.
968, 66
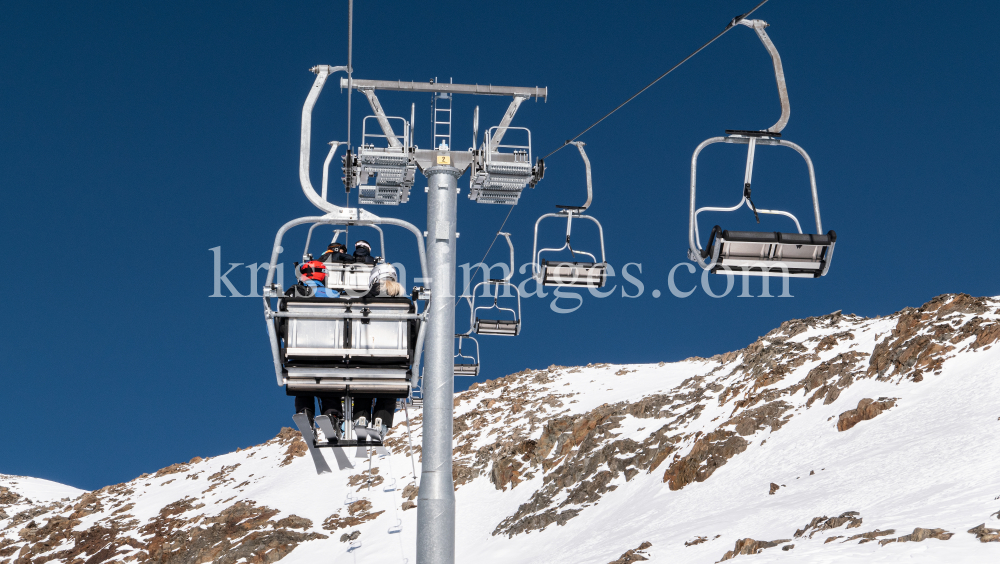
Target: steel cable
732, 24
672, 69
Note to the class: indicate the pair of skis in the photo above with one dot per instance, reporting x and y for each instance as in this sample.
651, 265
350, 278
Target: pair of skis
366, 437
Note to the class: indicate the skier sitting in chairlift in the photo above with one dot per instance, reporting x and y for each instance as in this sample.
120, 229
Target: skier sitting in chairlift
312, 282
363, 253
382, 282
336, 252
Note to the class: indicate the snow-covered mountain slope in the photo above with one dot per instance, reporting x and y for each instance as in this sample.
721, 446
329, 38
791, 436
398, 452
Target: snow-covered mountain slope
830, 439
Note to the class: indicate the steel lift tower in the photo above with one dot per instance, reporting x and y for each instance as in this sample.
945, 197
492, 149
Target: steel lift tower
499, 174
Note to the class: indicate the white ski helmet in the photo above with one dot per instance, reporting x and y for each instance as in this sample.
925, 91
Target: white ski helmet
382, 271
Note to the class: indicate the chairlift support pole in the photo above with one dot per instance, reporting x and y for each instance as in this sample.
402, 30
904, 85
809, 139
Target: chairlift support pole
443, 167
436, 500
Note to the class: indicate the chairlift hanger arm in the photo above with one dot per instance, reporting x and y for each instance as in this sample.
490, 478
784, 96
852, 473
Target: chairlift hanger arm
334, 145
511, 245
305, 146
586, 162
779, 73
432, 87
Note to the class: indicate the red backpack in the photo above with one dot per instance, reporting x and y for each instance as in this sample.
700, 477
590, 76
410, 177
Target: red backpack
313, 270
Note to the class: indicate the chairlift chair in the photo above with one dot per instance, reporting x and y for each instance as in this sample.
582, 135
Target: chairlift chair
392, 165
746, 253
466, 365
349, 344
501, 171
571, 273
509, 327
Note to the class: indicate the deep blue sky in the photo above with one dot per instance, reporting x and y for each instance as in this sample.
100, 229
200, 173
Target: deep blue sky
134, 137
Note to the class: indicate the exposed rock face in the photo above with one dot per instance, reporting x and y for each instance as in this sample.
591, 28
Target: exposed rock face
867, 409
920, 534
100, 526
8, 497
924, 336
239, 532
633, 555
751, 546
357, 513
582, 456
824, 523
984, 534
561, 449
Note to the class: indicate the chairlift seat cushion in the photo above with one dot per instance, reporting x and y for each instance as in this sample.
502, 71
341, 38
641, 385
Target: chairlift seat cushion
466, 370
506, 327
758, 253
560, 273
778, 237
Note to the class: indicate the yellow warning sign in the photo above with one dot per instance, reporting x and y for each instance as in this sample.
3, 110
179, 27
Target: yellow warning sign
444, 159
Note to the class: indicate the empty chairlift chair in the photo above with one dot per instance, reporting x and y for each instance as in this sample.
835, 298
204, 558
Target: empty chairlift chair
592, 273
466, 364
758, 253
501, 171
506, 321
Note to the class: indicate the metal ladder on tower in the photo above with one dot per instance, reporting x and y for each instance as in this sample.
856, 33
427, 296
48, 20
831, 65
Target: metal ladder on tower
441, 114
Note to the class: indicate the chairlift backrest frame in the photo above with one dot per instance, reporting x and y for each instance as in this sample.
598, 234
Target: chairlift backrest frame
336, 235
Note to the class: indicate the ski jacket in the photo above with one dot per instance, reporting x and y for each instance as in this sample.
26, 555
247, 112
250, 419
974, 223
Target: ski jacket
363, 256
336, 256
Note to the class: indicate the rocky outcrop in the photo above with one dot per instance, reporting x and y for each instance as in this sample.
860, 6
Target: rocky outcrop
923, 337
580, 457
919, 535
867, 409
751, 546
358, 512
984, 534
634, 554
819, 524
708, 454
241, 532
8, 497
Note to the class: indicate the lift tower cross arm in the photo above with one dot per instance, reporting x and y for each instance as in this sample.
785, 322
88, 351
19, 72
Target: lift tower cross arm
431, 87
